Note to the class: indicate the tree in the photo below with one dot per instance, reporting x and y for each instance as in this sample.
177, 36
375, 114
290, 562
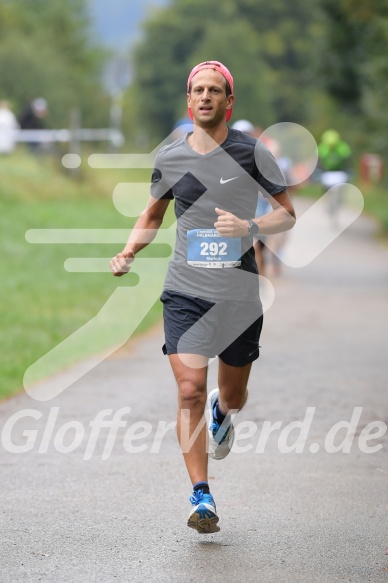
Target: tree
289, 34
356, 69
375, 90
269, 48
46, 51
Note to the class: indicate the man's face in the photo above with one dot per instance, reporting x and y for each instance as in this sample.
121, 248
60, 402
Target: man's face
207, 99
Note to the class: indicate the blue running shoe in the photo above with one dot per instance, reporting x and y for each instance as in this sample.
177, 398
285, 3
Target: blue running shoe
221, 437
203, 517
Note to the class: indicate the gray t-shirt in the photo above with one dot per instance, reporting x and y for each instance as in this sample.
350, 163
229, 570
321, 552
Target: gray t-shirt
228, 178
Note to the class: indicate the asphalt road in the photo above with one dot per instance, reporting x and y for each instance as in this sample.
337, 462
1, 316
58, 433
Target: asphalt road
317, 516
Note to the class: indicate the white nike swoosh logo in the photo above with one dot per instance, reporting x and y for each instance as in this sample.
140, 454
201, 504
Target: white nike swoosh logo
222, 181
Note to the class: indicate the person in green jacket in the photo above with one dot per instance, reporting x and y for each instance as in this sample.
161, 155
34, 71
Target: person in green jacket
334, 161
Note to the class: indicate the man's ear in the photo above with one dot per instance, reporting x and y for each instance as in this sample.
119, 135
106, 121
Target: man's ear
230, 100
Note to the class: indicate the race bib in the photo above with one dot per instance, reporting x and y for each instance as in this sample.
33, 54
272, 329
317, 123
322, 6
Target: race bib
207, 248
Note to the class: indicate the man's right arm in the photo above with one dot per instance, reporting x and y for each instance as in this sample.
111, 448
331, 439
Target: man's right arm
142, 234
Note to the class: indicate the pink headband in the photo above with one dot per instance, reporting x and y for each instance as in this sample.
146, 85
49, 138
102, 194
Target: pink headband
216, 66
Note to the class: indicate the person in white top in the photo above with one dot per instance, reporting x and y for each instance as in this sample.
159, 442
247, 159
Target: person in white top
8, 128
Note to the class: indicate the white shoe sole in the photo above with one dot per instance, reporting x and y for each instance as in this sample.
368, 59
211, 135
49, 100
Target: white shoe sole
203, 520
217, 451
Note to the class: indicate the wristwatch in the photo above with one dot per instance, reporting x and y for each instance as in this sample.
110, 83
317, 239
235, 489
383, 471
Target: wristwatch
253, 228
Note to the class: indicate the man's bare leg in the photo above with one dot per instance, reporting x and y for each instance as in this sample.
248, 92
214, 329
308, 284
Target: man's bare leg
191, 429
190, 416
232, 383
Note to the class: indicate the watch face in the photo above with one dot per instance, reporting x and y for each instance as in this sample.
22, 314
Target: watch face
253, 228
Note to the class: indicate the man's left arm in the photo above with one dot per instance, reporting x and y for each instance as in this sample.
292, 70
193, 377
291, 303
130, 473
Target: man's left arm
281, 218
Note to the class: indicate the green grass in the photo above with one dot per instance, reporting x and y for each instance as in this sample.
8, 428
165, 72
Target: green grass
376, 205
42, 304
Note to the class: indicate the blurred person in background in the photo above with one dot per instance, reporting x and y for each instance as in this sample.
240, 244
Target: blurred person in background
335, 164
264, 257
33, 117
277, 241
263, 206
8, 128
182, 127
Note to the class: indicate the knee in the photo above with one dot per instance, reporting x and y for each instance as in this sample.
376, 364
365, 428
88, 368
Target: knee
191, 396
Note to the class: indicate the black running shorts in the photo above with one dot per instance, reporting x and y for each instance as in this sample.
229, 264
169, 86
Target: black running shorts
228, 329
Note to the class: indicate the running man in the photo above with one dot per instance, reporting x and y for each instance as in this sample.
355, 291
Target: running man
211, 303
